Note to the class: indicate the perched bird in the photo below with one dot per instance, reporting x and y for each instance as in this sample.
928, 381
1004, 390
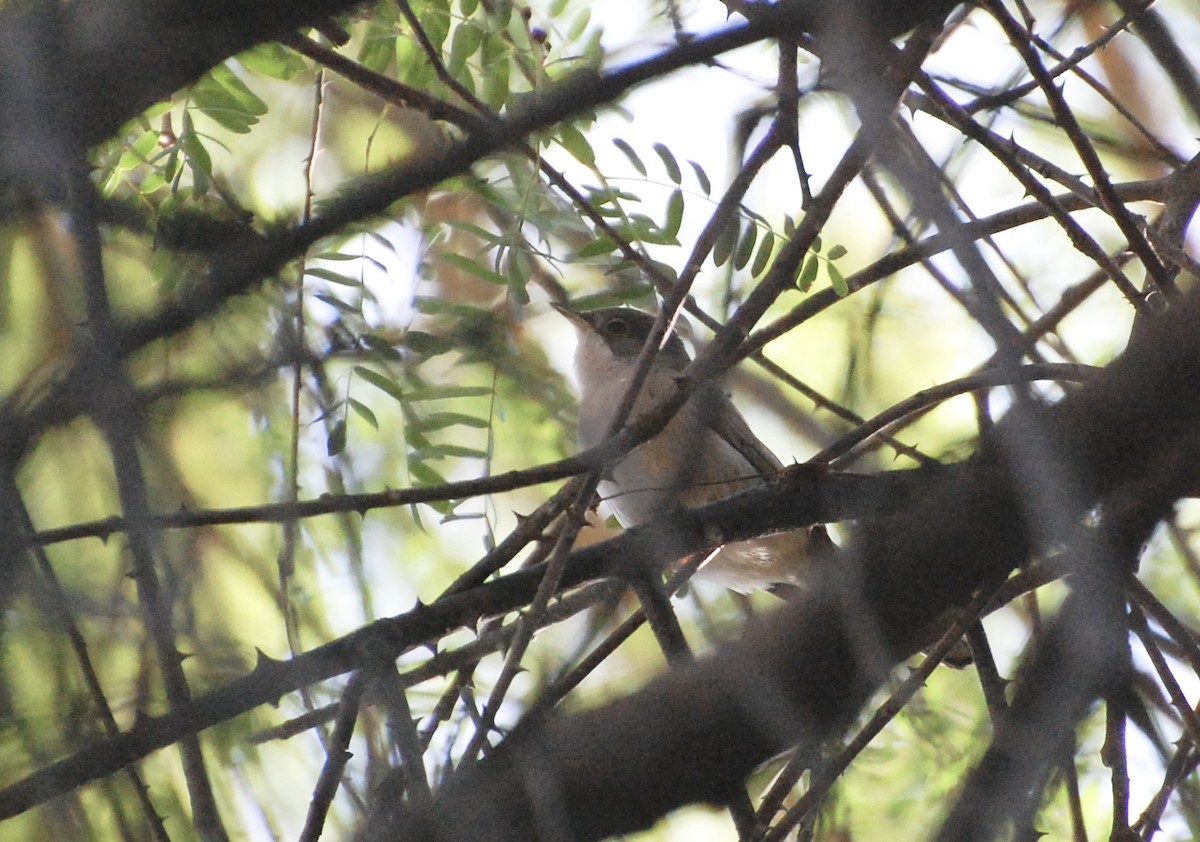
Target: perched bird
706, 452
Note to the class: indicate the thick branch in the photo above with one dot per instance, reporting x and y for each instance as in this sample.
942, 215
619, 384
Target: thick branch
799, 677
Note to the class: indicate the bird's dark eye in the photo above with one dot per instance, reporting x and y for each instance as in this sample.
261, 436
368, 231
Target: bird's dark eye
618, 327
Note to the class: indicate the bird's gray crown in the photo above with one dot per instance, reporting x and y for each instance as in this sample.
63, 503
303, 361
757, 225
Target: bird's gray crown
624, 330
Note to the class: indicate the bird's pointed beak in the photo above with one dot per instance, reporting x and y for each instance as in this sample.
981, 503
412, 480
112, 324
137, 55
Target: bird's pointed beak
581, 322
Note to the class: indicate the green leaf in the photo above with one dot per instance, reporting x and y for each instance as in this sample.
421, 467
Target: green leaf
336, 442
643, 228
466, 78
381, 381
745, 247
441, 420
196, 155
452, 451
427, 344
436, 23
422, 474
599, 246
381, 241
145, 144
272, 59
112, 183
157, 180
610, 196
453, 516
332, 277
500, 15
364, 412
808, 273
412, 434
435, 306
439, 393
630, 154
224, 76
665, 269
496, 88
837, 280
472, 268
611, 298
519, 268
763, 258
376, 53
474, 230
674, 215
579, 25
702, 178
726, 240
836, 251
669, 162
226, 99
466, 40
379, 346
337, 303
574, 142
495, 51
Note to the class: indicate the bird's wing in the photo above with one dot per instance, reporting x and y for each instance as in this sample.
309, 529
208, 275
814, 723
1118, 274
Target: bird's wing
729, 424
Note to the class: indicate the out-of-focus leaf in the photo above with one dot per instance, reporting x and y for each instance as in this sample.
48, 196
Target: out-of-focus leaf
336, 303
808, 273
464, 43
226, 99
469, 266
726, 240
611, 298
745, 247
272, 59
600, 245
519, 269
197, 156
441, 420
763, 258
380, 381
496, 87
332, 277
837, 280
627, 150
427, 344
579, 25
336, 441
432, 306
451, 451
644, 229
669, 162
380, 346
364, 412
674, 217
438, 393
435, 20
574, 142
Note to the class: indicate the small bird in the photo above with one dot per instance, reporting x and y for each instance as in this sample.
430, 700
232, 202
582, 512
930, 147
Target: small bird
706, 452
